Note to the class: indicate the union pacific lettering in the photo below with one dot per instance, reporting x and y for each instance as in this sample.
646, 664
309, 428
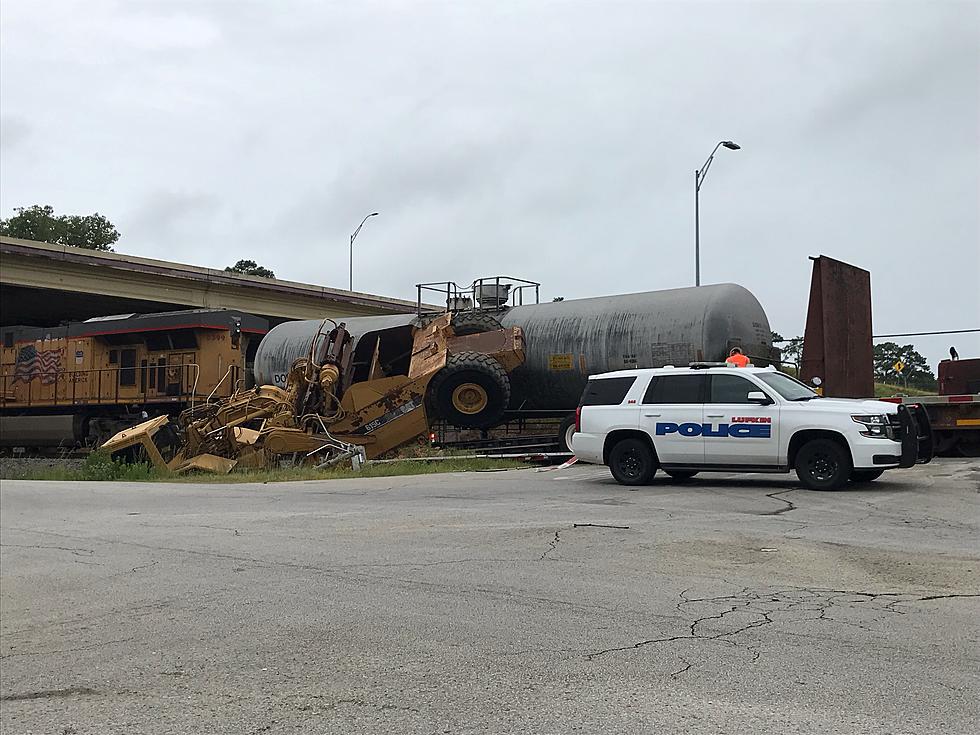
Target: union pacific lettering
741, 430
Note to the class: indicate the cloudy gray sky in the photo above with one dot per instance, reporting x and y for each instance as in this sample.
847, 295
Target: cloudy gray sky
551, 140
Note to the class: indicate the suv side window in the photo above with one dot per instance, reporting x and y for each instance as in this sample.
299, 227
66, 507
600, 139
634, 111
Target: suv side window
675, 389
607, 391
730, 389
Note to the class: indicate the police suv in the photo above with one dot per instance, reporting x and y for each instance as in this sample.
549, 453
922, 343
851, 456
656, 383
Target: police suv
713, 417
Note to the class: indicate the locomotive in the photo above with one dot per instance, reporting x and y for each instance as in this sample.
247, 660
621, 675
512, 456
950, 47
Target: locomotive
79, 383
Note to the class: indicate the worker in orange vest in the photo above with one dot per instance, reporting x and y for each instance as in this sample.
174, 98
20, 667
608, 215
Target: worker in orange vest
736, 358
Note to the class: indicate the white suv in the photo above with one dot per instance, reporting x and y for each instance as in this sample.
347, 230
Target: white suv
713, 417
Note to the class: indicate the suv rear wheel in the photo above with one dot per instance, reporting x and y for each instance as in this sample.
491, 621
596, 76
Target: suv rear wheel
632, 462
823, 464
565, 432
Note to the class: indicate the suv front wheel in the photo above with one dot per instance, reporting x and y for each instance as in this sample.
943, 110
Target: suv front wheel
632, 462
823, 464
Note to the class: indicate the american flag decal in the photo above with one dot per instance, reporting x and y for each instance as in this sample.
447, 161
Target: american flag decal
32, 362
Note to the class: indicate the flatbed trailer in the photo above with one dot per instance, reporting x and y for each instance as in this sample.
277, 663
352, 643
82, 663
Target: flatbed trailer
518, 433
955, 421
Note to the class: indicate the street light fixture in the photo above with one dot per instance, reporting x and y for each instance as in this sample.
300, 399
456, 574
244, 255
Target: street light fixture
698, 180
352, 237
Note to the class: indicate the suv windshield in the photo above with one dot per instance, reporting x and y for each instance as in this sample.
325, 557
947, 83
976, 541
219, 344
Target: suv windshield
789, 388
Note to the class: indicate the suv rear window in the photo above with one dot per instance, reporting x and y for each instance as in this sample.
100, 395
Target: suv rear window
675, 389
606, 391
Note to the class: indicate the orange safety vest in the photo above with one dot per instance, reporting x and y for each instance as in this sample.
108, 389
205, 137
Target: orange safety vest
738, 360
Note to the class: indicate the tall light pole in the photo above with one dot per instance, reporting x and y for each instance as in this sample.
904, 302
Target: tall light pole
698, 180
354, 235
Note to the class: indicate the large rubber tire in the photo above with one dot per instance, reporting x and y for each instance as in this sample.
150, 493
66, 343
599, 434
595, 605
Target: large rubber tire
681, 474
474, 322
865, 475
565, 432
823, 464
467, 375
968, 447
632, 462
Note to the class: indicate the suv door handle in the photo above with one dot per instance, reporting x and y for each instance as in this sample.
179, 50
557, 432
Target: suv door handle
714, 415
651, 415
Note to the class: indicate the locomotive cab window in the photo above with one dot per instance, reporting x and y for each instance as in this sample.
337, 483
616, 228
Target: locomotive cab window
127, 367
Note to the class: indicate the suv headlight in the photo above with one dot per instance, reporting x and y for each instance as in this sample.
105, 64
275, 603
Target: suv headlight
875, 425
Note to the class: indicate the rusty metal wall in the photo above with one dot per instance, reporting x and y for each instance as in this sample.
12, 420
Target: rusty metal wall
837, 344
569, 340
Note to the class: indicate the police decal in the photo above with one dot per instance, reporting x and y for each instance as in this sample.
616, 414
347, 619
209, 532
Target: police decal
740, 427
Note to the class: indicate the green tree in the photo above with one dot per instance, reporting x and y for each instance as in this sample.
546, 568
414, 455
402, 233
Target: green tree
250, 268
791, 349
40, 223
915, 373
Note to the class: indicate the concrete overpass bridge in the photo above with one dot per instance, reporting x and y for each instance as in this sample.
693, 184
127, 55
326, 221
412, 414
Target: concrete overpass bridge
43, 285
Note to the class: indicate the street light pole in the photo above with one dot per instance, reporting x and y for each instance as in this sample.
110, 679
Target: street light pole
699, 175
352, 238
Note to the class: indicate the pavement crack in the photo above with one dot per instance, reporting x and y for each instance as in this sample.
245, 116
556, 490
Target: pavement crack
763, 605
684, 670
789, 505
552, 545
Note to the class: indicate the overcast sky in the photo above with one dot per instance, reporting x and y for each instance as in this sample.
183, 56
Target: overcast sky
556, 141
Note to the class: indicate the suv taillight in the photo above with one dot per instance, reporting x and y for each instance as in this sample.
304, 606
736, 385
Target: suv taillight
578, 419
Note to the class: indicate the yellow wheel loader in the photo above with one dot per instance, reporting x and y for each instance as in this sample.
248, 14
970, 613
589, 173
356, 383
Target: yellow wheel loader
334, 408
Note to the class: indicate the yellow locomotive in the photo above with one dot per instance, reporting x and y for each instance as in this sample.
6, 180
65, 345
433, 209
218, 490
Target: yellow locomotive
81, 382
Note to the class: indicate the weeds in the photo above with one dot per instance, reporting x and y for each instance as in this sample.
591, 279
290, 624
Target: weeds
100, 467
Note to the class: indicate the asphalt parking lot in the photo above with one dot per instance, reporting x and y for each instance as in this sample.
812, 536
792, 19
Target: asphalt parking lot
509, 602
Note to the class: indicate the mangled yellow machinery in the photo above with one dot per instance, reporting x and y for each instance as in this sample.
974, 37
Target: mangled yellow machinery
322, 416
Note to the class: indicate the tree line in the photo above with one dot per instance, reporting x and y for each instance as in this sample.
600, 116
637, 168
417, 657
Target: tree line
887, 357
87, 231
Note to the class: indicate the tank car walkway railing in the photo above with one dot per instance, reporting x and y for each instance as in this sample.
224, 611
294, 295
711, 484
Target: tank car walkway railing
484, 294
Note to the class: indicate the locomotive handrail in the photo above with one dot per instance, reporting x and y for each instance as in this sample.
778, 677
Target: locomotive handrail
197, 377
217, 385
60, 379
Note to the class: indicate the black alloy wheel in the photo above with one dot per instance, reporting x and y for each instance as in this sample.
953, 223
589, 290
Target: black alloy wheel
632, 462
823, 464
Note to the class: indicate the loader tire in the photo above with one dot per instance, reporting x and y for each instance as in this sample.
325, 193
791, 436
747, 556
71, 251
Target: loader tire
471, 391
474, 323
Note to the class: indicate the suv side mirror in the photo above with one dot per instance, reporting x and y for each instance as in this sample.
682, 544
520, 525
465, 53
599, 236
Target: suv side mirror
757, 396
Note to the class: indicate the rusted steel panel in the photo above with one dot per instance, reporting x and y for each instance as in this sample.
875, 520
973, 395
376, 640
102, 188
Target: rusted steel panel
837, 342
959, 376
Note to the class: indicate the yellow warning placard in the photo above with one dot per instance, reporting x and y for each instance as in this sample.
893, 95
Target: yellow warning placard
560, 362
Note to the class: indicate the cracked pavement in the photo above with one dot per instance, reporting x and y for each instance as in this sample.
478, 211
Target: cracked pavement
492, 602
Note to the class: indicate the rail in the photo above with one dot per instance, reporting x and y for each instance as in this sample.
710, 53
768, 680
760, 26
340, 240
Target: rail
74, 387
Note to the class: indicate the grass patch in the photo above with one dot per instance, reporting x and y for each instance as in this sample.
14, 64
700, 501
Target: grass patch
99, 467
887, 390
389, 469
